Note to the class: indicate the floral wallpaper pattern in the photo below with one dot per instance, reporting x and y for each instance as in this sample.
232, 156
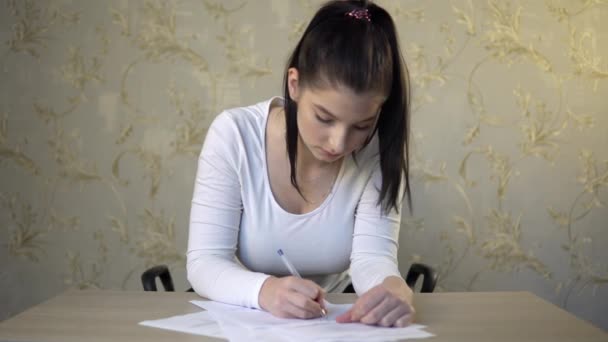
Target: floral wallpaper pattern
104, 108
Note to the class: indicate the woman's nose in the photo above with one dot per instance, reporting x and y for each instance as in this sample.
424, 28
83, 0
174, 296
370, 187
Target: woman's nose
337, 141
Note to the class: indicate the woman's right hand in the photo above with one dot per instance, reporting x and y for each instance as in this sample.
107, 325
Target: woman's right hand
291, 297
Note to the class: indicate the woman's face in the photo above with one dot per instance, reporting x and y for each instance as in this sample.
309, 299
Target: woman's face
334, 121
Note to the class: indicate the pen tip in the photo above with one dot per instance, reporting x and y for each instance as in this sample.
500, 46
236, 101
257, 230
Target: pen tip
280, 251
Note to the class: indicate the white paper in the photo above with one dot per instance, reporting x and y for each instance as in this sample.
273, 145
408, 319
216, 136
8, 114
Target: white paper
243, 324
319, 329
198, 323
254, 318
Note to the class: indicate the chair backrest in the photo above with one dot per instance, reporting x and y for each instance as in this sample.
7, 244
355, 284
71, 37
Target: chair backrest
429, 280
148, 278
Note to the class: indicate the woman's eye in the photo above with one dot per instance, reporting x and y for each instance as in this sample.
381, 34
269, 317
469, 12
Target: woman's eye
322, 119
363, 128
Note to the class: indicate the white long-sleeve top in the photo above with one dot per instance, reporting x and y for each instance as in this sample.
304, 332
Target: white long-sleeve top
237, 226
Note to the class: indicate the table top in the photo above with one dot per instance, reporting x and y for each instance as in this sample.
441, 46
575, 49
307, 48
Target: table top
103, 315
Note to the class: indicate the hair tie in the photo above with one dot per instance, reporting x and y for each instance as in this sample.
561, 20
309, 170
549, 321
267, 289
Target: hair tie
360, 14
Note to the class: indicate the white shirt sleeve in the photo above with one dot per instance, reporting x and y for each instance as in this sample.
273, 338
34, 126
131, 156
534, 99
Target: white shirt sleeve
375, 238
212, 268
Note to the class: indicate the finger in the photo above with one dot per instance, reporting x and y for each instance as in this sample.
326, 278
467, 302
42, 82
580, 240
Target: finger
404, 321
305, 287
321, 299
304, 303
293, 311
320, 296
391, 318
345, 317
367, 302
374, 315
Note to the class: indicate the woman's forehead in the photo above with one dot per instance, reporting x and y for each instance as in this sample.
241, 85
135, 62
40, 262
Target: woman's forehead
342, 102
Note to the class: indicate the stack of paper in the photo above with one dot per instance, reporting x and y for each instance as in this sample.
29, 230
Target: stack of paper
242, 324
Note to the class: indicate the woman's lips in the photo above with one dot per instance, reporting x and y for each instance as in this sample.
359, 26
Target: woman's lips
330, 155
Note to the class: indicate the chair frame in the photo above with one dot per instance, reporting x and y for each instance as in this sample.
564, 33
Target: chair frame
429, 281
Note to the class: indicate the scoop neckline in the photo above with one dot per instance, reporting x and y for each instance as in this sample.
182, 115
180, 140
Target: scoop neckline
276, 204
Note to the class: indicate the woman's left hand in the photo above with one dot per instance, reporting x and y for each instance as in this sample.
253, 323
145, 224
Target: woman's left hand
388, 304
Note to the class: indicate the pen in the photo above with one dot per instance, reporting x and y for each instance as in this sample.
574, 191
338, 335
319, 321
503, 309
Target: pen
294, 272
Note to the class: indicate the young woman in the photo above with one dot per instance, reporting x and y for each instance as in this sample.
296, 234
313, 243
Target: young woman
320, 173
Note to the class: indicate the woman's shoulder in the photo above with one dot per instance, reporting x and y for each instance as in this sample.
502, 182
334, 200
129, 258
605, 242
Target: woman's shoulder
244, 119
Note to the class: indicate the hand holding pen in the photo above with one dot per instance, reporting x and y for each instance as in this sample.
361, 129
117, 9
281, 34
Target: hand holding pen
292, 297
295, 273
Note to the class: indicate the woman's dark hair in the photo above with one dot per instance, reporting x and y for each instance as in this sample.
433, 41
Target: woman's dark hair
361, 53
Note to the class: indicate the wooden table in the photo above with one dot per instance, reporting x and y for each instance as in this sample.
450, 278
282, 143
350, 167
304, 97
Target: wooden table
99, 315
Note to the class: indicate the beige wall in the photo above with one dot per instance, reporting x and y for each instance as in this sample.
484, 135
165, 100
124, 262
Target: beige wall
105, 104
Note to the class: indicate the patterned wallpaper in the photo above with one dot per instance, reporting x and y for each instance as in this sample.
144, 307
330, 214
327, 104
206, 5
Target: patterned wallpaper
105, 104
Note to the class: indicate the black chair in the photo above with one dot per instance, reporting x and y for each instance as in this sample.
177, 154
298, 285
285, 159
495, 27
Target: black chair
148, 278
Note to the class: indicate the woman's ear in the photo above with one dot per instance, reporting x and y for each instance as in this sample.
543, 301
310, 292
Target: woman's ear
293, 84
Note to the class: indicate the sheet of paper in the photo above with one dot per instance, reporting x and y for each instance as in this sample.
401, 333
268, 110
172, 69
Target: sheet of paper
240, 324
261, 319
266, 326
198, 323
204, 323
